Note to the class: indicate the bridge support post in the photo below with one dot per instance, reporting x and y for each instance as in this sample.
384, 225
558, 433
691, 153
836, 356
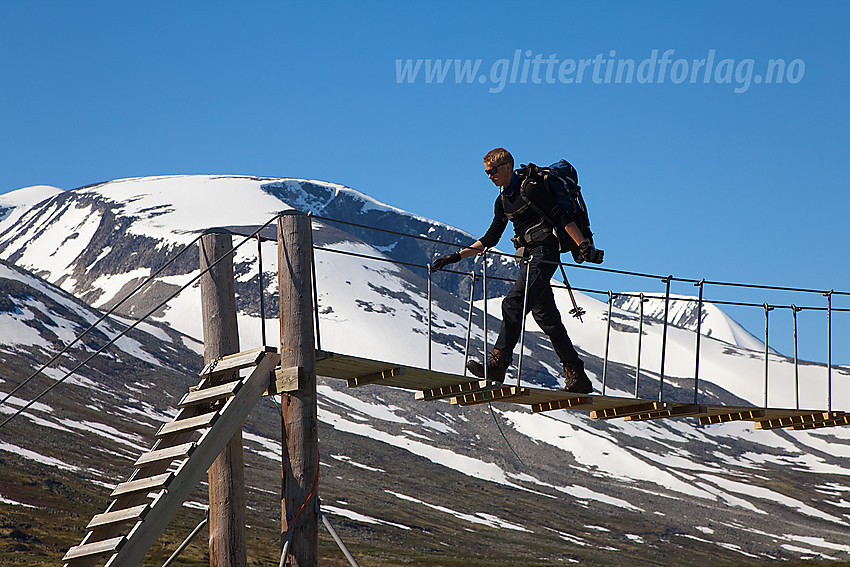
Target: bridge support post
226, 476
300, 519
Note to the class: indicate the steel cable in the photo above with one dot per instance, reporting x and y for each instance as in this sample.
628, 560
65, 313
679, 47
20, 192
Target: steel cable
98, 322
135, 324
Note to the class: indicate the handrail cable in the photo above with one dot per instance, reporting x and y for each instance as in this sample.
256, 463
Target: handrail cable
98, 322
134, 325
254, 234
597, 268
584, 290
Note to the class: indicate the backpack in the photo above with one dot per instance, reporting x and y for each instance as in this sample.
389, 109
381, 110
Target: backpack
561, 178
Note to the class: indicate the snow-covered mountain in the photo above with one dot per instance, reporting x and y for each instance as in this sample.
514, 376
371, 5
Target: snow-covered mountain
600, 492
682, 312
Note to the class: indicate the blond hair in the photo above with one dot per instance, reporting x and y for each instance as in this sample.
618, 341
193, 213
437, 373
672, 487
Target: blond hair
498, 156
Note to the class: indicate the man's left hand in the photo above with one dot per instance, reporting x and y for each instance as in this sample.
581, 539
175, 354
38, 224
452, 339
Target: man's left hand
443, 261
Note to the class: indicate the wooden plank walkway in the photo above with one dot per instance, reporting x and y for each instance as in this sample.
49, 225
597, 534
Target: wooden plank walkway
466, 390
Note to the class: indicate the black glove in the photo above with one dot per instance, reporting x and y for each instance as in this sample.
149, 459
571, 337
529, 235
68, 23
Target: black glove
591, 254
443, 261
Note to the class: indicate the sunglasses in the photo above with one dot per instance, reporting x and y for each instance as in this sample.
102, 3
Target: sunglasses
494, 169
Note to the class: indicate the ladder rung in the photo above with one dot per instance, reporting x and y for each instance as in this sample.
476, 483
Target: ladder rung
133, 514
208, 395
167, 454
143, 484
188, 424
96, 548
179, 485
237, 361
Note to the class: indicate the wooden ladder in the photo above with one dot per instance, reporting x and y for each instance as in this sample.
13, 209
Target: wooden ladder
218, 411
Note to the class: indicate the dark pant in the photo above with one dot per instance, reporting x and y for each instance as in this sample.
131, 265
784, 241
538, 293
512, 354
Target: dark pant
541, 303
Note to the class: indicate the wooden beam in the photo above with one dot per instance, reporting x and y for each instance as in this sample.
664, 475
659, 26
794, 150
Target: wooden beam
804, 419
452, 390
684, 410
226, 477
94, 549
838, 421
133, 514
287, 380
236, 361
502, 393
189, 424
168, 454
145, 485
375, 377
623, 411
747, 415
300, 423
568, 403
209, 395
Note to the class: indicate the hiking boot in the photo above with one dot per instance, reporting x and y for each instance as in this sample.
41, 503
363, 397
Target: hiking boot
497, 364
577, 381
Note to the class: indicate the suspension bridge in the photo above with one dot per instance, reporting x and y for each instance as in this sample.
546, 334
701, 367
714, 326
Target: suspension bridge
210, 414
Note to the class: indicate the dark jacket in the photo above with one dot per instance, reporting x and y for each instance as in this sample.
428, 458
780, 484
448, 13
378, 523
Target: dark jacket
510, 201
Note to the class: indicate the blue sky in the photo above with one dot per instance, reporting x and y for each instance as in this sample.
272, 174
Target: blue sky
685, 178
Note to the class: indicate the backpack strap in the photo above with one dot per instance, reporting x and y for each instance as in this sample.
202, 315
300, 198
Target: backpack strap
530, 171
533, 172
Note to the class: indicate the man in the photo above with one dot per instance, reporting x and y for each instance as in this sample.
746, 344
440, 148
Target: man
541, 250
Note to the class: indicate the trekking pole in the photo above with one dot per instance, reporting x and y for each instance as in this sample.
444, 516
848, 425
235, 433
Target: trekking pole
576, 311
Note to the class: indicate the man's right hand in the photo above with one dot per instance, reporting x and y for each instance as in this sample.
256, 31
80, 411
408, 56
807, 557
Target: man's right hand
591, 254
443, 261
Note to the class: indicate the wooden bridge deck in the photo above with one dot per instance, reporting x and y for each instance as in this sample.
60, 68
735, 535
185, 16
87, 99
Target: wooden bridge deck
464, 390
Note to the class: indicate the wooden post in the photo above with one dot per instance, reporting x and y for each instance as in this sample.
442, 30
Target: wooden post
221, 337
300, 431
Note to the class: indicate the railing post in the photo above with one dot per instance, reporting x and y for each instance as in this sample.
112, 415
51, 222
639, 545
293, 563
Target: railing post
828, 296
262, 290
607, 341
640, 339
701, 284
484, 285
300, 423
794, 311
428, 269
469, 323
667, 280
767, 309
227, 542
522, 332
314, 279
